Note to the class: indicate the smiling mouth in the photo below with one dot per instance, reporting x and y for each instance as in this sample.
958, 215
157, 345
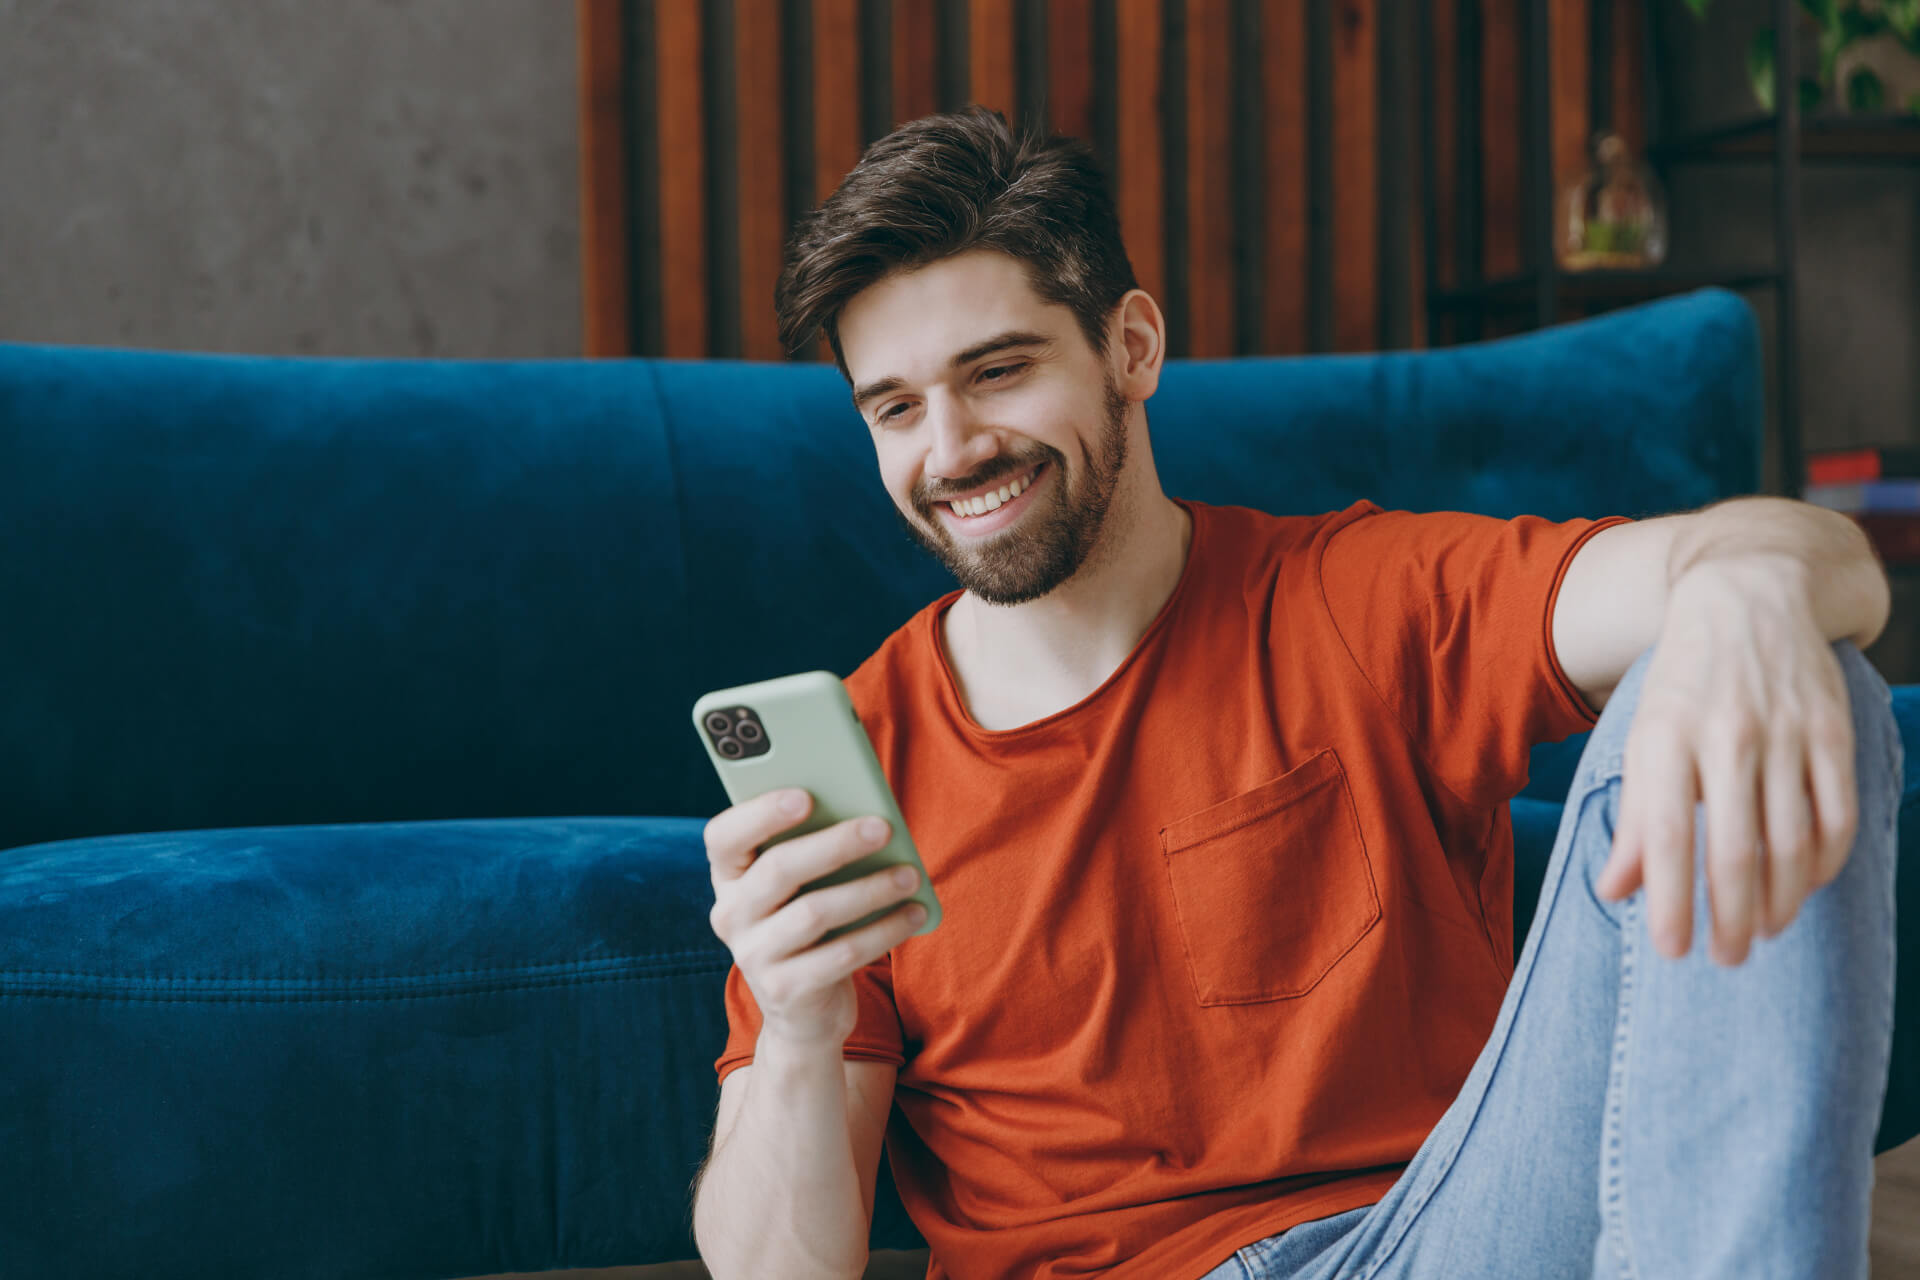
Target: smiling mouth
972, 508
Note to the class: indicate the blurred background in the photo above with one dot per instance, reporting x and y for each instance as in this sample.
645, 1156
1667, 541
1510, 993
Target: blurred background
532, 178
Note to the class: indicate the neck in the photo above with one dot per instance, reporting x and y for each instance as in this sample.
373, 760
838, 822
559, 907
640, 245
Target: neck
1021, 663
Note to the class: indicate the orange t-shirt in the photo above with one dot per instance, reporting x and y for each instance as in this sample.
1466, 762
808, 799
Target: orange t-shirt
1221, 941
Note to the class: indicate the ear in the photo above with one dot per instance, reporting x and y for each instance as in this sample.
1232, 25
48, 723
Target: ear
1142, 333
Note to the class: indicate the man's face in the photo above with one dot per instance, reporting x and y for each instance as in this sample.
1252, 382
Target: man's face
1001, 434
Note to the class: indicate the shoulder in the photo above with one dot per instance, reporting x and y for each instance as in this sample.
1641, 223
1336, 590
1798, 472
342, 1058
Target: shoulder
1261, 549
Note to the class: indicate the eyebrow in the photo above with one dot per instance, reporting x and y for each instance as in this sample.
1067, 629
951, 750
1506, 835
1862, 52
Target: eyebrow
999, 342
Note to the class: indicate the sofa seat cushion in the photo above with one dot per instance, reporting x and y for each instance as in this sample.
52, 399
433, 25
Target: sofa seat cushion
428, 1049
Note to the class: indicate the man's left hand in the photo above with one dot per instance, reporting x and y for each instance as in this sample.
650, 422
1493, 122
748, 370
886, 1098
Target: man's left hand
1743, 708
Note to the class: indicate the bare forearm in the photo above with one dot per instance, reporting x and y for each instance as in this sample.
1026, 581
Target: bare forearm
781, 1195
1822, 551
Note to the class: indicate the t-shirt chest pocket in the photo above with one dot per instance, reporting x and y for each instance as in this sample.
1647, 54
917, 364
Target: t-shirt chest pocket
1272, 888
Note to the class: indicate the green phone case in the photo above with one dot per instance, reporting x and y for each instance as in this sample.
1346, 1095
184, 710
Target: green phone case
815, 740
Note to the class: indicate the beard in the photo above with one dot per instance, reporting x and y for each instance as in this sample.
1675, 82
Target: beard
1046, 547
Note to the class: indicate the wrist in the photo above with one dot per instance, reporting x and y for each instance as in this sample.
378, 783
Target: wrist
784, 1051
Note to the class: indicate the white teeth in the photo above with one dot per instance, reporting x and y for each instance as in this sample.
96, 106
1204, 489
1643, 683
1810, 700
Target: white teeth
987, 502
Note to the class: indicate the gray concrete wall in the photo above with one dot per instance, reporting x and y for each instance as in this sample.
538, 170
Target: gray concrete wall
354, 177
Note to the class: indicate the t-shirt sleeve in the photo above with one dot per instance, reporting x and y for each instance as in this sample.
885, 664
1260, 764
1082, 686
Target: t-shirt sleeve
1450, 617
876, 1036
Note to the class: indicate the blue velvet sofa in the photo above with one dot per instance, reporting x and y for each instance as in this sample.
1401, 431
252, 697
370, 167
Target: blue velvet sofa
353, 908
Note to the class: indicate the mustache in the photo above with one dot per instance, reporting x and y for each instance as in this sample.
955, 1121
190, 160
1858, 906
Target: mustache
1002, 469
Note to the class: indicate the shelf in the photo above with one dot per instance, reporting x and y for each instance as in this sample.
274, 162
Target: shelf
1824, 139
1520, 292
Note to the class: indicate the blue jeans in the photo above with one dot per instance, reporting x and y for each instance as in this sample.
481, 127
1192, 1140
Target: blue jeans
1635, 1116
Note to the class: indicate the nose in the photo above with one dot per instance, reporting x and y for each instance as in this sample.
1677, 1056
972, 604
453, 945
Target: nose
961, 442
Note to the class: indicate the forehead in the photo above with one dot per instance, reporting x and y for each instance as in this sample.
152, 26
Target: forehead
912, 322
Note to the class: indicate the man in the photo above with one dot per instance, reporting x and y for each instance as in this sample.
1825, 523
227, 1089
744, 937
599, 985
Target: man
1216, 806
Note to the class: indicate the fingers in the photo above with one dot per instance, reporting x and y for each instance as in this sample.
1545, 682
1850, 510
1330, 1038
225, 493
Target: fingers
1662, 789
772, 881
1788, 861
800, 923
734, 836
1731, 778
820, 966
1836, 801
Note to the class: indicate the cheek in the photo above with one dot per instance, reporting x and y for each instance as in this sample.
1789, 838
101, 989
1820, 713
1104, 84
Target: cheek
897, 471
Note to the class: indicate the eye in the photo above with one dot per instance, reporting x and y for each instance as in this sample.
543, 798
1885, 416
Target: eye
892, 411
993, 374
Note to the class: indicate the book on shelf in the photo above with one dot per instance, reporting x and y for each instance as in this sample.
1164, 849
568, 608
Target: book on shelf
1863, 465
1869, 495
1879, 487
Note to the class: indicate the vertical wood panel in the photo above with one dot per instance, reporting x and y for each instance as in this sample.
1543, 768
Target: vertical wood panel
990, 28
1571, 92
836, 93
916, 73
1070, 67
1209, 156
762, 171
1234, 193
1356, 176
683, 179
1629, 71
605, 288
1445, 111
1140, 167
1284, 290
1502, 86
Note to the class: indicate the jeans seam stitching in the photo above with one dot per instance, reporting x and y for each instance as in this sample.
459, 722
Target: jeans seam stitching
1614, 1224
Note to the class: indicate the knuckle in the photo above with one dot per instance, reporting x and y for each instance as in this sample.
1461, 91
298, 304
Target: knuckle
808, 914
1733, 740
777, 988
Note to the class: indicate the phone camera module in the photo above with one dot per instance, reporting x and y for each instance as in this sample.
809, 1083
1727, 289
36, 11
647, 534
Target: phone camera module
737, 733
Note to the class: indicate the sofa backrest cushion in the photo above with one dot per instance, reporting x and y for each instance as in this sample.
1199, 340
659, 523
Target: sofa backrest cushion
241, 590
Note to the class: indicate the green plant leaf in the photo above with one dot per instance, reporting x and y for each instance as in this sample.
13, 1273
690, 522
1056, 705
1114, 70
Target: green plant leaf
1698, 8
1825, 12
1760, 75
1913, 103
1903, 17
1864, 90
1760, 67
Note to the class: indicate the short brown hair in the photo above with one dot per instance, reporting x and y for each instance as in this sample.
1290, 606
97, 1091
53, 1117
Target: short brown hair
945, 185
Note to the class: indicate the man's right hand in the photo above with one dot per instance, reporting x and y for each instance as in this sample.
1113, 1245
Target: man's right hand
804, 989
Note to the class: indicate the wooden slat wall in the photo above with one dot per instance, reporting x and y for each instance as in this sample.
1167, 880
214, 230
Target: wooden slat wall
1356, 175
1248, 180
1209, 153
1284, 321
600, 27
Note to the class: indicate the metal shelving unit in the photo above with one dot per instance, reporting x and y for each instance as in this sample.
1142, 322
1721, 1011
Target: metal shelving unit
1779, 139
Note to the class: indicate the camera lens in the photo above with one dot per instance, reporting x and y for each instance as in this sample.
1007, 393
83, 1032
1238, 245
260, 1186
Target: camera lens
717, 722
749, 730
730, 749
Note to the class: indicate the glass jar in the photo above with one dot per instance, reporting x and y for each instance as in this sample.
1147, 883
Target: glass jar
1615, 216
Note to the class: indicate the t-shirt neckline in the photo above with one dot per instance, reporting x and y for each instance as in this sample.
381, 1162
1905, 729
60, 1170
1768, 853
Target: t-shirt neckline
956, 706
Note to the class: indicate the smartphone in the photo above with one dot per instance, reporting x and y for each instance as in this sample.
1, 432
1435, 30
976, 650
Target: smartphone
801, 731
